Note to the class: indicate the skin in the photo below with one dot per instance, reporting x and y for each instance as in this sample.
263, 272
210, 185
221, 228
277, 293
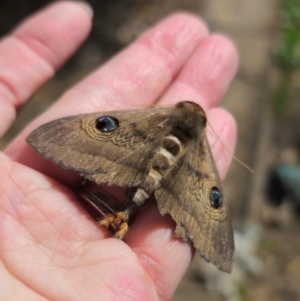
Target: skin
50, 248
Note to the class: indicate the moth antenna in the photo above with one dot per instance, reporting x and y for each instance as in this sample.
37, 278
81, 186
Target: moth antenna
234, 157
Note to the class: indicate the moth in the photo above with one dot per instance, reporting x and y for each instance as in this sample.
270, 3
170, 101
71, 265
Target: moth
157, 151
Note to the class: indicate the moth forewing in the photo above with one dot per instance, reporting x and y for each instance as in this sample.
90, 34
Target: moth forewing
192, 195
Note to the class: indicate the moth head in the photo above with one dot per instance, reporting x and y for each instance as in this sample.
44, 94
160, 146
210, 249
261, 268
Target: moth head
107, 124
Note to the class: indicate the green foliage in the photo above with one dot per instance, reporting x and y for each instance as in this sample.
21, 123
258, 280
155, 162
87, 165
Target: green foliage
242, 291
287, 54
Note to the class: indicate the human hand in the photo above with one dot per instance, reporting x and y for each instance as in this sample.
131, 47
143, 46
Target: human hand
50, 248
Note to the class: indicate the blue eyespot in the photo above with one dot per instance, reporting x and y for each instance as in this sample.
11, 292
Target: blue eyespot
107, 124
216, 199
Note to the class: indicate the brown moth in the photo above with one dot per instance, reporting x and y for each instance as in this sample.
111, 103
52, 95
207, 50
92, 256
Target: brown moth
158, 151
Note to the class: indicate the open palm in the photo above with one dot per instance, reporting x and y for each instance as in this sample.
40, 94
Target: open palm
50, 248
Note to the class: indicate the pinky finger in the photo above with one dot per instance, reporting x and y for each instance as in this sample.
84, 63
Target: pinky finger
35, 50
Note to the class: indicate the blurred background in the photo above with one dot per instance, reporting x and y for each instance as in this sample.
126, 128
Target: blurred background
264, 98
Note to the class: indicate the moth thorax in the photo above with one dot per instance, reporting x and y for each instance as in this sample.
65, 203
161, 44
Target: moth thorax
166, 157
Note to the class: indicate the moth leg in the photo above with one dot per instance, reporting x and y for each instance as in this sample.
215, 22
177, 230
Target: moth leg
108, 220
123, 229
119, 220
114, 219
135, 197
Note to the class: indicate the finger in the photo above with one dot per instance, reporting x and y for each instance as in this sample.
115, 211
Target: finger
151, 236
206, 76
221, 133
164, 257
137, 75
32, 53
